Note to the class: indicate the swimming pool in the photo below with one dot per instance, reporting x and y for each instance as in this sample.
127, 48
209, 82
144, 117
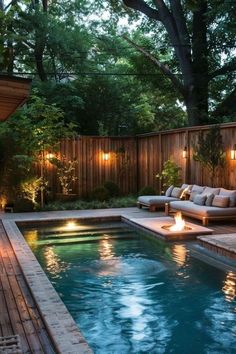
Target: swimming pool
133, 294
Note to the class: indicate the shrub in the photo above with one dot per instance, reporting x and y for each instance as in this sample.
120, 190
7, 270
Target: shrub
112, 188
100, 193
147, 190
170, 175
23, 205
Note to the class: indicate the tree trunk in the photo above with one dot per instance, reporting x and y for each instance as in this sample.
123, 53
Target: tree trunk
40, 42
192, 57
200, 61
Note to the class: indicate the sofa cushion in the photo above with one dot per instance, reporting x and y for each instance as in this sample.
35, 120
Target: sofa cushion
177, 192
192, 196
187, 187
209, 190
193, 209
200, 199
231, 194
209, 199
197, 188
158, 200
220, 201
168, 191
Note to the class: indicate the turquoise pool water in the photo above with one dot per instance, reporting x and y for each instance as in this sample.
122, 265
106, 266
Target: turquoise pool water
132, 294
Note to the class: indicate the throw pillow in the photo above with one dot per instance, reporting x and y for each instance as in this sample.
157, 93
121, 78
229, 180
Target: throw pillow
199, 199
177, 192
220, 201
192, 195
229, 193
168, 191
197, 188
209, 199
209, 190
187, 187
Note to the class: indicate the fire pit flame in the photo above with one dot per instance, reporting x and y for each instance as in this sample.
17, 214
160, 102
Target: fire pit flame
179, 223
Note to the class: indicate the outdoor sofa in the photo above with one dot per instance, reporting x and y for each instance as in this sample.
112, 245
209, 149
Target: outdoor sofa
207, 205
154, 202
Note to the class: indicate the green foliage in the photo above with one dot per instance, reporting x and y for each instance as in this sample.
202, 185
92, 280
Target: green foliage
112, 188
147, 190
170, 175
65, 173
209, 151
23, 138
121, 202
100, 193
31, 187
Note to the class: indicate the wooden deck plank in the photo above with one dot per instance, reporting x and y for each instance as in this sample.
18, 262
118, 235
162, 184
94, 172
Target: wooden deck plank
5, 323
35, 316
14, 314
19, 313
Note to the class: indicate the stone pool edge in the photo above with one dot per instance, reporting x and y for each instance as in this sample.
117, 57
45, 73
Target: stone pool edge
60, 325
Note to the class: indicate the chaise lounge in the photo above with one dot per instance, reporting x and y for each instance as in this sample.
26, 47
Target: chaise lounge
155, 202
210, 204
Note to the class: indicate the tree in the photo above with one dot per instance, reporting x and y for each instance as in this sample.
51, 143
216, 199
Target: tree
24, 138
194, 29
210, 151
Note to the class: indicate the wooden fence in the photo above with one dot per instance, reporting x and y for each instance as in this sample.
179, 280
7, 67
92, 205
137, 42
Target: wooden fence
134, 161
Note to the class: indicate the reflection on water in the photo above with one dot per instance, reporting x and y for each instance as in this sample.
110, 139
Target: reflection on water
229, 288
53, 263
106, 249
145, 296
31, 237
179, 253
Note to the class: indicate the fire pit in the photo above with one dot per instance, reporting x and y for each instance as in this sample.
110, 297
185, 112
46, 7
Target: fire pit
166, 228
179, 225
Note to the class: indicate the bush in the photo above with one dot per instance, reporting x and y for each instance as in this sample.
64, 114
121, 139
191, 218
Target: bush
147, 190
121, 202
100, 193
23, 205
112, 188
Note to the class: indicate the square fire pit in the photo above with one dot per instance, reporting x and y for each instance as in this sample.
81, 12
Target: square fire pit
160, 226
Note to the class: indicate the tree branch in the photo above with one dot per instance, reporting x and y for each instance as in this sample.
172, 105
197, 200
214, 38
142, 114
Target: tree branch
226, 69
143, 7
164, 68
178, 14
227, 107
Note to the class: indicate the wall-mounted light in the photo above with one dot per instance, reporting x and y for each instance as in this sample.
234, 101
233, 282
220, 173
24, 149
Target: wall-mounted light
106, 156
49, 156
233, 153
185, 152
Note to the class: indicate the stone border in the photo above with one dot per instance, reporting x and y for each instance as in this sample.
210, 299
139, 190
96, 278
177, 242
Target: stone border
59, 323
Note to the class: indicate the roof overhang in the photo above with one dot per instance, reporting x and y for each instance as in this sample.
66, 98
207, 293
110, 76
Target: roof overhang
14, 91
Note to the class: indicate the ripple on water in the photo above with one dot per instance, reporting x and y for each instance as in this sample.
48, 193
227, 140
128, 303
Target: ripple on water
120, 266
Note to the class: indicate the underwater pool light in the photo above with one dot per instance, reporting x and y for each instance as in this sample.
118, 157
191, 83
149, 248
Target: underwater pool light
70, 225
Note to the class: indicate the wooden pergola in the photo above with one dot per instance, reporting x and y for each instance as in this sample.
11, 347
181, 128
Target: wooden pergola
14, 92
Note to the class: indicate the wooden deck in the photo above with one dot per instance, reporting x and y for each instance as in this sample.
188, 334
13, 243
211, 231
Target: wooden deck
18, 311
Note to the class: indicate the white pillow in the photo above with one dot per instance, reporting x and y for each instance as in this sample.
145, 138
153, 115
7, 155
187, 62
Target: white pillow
229, 193
209, 190
197, 188
168, 191
177, 192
